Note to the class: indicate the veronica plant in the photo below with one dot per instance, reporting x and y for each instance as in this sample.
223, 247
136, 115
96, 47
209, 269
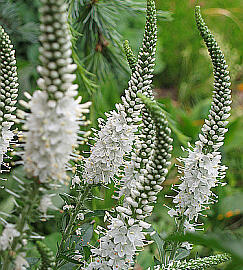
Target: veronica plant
132, 149
202, 169
131, 153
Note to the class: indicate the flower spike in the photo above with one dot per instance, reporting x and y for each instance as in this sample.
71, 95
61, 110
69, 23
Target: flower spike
8, 92
203, 263
55, 115
47, 256
125, 236
202, 169
155, 168
141, 78
108, 149
197, 264
214, 128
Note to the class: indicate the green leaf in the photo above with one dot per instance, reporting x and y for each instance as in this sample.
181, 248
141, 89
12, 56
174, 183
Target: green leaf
84, 238
87, 252
181, 254
68, 259
156, 261
95, 213
159, 242
88, 233
67, 198
220, 241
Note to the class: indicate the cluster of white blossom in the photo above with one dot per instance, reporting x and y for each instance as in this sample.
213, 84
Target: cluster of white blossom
140, 187
6, 137
53, 122
52, 132
129, 179
8, 234
118, 246
201, 173
8, 92
20, 262
106, 154
194, 264
114, 139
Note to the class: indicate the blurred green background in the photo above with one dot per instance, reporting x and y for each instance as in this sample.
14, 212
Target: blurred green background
183, 83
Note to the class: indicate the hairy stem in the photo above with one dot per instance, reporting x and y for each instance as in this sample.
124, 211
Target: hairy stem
69, 228
23, 218
176, 245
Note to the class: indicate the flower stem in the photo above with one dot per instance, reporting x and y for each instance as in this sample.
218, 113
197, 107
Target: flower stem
177, 244
32, 195
69, 228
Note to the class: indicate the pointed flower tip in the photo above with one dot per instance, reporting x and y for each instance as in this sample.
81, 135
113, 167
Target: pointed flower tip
197, 11
126, 43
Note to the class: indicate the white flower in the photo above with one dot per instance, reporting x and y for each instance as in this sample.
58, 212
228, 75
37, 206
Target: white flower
186, 245
188, 227
129, 180
202, 172
75, 180
113, 141
46, 203
80, 216
98, 263
6, 137
79, 231
52, 132
119, 244
20, 262
54, 118
68, 207
8, 234
135, 235
172, 212
77, 256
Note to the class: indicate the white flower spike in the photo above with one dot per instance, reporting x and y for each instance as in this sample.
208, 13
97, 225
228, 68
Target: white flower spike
53, 123
8, 92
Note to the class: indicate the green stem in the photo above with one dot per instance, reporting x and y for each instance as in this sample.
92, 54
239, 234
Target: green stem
66, 234
22, 219
177, 244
